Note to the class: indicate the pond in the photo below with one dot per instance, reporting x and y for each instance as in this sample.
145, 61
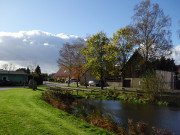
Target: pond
158, 116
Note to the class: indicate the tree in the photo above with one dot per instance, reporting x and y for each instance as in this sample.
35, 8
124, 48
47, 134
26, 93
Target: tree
71, 58
37, 75
66, 58
9, 67
151, 30
163, 63
28, 70
79, 58
38, 70
123, 42
97, 56
24, 70
5, 66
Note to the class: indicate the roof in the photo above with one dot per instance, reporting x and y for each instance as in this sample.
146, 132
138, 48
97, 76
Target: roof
5, 72
64, 72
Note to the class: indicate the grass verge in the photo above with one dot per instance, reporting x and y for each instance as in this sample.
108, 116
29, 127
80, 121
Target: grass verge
22, 111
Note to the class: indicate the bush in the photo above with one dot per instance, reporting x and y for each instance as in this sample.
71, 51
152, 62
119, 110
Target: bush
32, 84
58, 99
153, 84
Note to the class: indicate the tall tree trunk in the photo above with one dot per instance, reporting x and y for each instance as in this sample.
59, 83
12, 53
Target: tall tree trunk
85, 80
68, 80
102, 80
78, 80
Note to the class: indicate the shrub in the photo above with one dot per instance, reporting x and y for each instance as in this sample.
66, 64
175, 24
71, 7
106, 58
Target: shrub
58, 99
153, 84
32, 84
103, 122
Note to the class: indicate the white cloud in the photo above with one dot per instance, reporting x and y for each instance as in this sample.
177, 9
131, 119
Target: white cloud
176, 54
26, 47
46, 44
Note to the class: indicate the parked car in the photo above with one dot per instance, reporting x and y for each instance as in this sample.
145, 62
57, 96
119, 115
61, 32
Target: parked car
1, 83
72, 80
93, 83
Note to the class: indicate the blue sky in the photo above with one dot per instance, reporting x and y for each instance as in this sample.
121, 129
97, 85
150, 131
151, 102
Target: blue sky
33, 31
77, 17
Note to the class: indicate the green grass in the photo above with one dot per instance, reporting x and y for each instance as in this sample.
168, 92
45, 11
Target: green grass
23, 112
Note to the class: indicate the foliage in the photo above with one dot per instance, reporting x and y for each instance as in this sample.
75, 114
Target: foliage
165, 64
99, 57
58, 99
153, 84
24, 70
123, 43
151, 30
28, 70
95, 118
38, 70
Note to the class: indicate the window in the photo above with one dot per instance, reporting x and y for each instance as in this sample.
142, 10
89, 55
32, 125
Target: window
4, 78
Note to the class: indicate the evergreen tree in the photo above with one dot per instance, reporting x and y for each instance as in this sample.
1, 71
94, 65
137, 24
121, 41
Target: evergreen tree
38, 70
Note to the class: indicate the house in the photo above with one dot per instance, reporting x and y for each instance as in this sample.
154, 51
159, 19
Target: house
135, 69
63, 74
134, 66
15, 76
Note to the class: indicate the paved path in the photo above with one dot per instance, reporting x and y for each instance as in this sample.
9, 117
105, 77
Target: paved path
10, 87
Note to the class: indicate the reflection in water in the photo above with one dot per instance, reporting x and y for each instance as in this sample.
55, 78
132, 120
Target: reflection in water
160, 117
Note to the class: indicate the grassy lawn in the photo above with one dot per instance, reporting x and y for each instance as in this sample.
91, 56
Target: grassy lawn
22, 111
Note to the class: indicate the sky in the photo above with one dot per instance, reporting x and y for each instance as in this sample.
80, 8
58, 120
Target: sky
42, 26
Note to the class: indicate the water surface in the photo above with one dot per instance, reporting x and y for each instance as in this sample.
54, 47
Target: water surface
158, 116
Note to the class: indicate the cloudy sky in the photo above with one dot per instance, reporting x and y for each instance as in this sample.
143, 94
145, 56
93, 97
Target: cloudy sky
30, 48
30, 29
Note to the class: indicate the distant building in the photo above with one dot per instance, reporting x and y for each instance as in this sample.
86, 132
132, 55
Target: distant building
63, 74
15, 76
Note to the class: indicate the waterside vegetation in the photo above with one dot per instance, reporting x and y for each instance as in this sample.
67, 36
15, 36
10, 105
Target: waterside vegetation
67, 102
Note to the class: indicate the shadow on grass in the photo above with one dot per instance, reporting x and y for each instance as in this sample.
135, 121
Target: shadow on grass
40, 89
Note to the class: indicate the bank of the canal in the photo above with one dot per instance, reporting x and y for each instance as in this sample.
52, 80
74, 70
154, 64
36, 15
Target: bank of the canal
159, 116
23, 111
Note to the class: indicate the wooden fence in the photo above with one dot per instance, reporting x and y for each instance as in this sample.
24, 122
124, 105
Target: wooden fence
77, 90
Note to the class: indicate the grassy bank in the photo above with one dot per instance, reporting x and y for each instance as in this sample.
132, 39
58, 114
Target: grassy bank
22, 111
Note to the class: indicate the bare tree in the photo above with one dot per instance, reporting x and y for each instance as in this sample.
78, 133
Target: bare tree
152, 32
79, 58
71, 58
66, 58
32, 67
5, 66
9, 67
